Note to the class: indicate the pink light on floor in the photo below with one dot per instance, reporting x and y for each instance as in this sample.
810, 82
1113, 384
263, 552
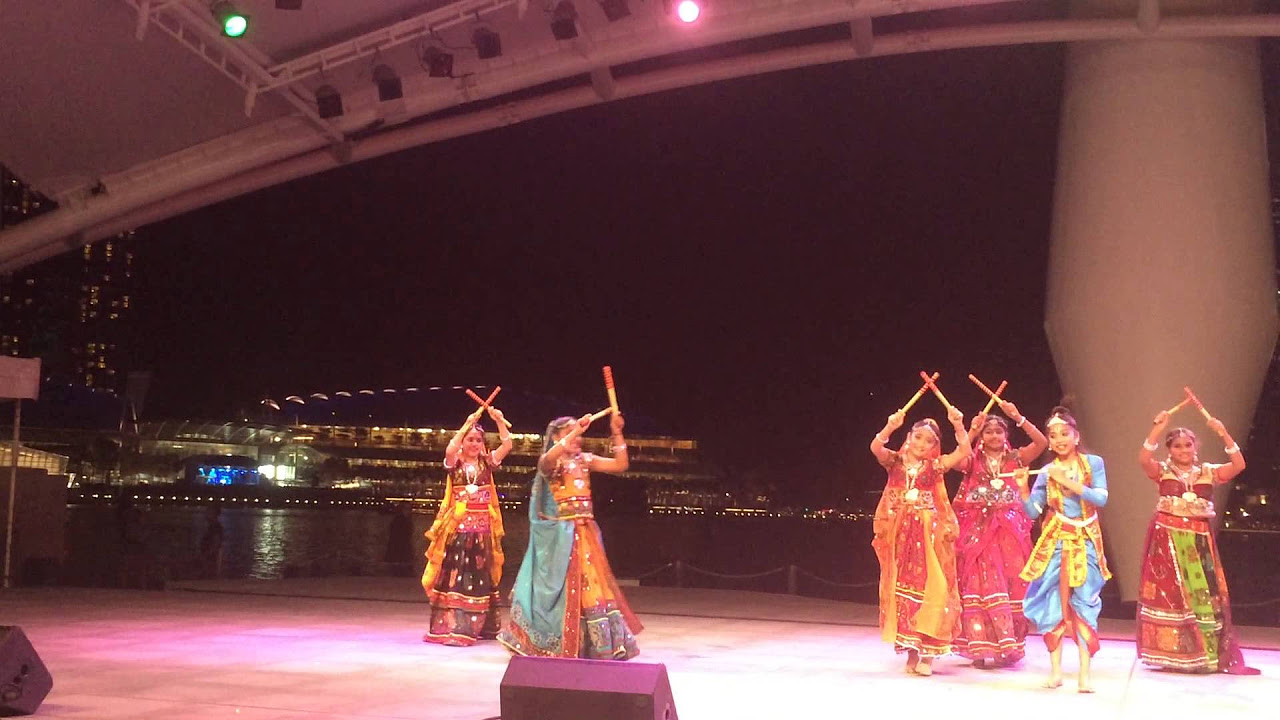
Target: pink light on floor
688, 10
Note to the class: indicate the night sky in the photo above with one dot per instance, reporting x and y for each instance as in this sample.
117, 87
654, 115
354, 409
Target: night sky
767, 263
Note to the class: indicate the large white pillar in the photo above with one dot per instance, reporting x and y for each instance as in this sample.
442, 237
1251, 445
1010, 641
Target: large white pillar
1162, 267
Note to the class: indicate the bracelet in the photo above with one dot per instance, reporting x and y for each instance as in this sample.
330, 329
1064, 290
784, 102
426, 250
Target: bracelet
616, 448
504, 438
1235, 448
1021, 422
1150, 446
881, 440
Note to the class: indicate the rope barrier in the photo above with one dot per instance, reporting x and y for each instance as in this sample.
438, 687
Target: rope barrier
725, 576
833, 583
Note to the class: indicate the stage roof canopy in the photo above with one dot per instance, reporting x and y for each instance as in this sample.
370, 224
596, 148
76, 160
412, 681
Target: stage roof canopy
126, 112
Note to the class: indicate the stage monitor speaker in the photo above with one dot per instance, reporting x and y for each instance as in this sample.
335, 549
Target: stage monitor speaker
536, 688
24, 680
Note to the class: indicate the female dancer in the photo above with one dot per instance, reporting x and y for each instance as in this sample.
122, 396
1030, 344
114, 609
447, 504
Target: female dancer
566, 602
1067, 567
464, 557
915, 533
1184, 610
994, 542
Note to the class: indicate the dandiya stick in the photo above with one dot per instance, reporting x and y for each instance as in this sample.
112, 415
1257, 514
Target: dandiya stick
485, 403
995, 396
1179, 406
1192, 397
601, 414
919, 394
929, 381
1037, 471
608, 387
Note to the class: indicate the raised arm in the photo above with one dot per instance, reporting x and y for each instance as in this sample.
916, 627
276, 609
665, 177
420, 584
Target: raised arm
1032, 450
883, 454
1147, 455
503, 434
619, 462
455, 443
963, 448
557, 449
1224, 473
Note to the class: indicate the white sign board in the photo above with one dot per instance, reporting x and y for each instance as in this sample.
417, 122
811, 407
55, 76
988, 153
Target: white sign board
19, 377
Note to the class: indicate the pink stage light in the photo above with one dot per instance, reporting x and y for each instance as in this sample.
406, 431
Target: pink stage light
688, 10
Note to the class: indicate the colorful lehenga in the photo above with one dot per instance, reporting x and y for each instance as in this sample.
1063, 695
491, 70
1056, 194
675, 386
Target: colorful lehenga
566, 601
1184, 610
1068, 565
464, 557
915, 531
992, 548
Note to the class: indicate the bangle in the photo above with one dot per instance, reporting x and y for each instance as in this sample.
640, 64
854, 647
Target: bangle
1235, 448
881, 440
1150, 446
1021, 422
504, 438
616, 448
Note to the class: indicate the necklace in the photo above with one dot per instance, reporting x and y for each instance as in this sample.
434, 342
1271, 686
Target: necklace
913, 470
471, 471
993, 464
1186, 477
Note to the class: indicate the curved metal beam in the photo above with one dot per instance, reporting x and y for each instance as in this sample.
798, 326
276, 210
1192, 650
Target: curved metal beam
17, 250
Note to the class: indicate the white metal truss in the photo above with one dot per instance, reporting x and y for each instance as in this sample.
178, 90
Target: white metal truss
425, 25
199, 36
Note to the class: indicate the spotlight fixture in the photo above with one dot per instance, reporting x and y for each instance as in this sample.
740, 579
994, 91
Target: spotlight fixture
437, 62
389, 87
233, 22
688, 10
564, 21
615, 10
288, 4
328, 102
487, 42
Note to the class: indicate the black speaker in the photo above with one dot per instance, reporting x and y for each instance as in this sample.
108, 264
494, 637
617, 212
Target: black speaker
24, 680
537, 688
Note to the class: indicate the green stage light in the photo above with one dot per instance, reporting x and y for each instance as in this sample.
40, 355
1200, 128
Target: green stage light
234, 23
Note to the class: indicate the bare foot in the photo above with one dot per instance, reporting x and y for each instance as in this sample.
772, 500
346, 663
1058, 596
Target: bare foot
1082, 685
1054, 682
980, 663
913, 660
925, 667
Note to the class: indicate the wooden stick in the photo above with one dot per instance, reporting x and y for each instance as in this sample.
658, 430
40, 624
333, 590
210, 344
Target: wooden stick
608, 388
485, 403
601, 414
1029, 472
919, 394
995, 396
929, 381
1192, 397
1179, 406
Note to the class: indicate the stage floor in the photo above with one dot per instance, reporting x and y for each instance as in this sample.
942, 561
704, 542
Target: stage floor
351, 648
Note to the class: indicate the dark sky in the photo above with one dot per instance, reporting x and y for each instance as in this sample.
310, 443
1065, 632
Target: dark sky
767, 263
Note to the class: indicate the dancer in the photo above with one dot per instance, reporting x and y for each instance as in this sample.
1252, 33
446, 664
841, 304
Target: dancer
566, 602
994, 541
915, 532
1067, 567
1184, 609
464, 557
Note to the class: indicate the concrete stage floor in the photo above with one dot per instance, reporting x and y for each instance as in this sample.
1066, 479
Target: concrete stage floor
351, 648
